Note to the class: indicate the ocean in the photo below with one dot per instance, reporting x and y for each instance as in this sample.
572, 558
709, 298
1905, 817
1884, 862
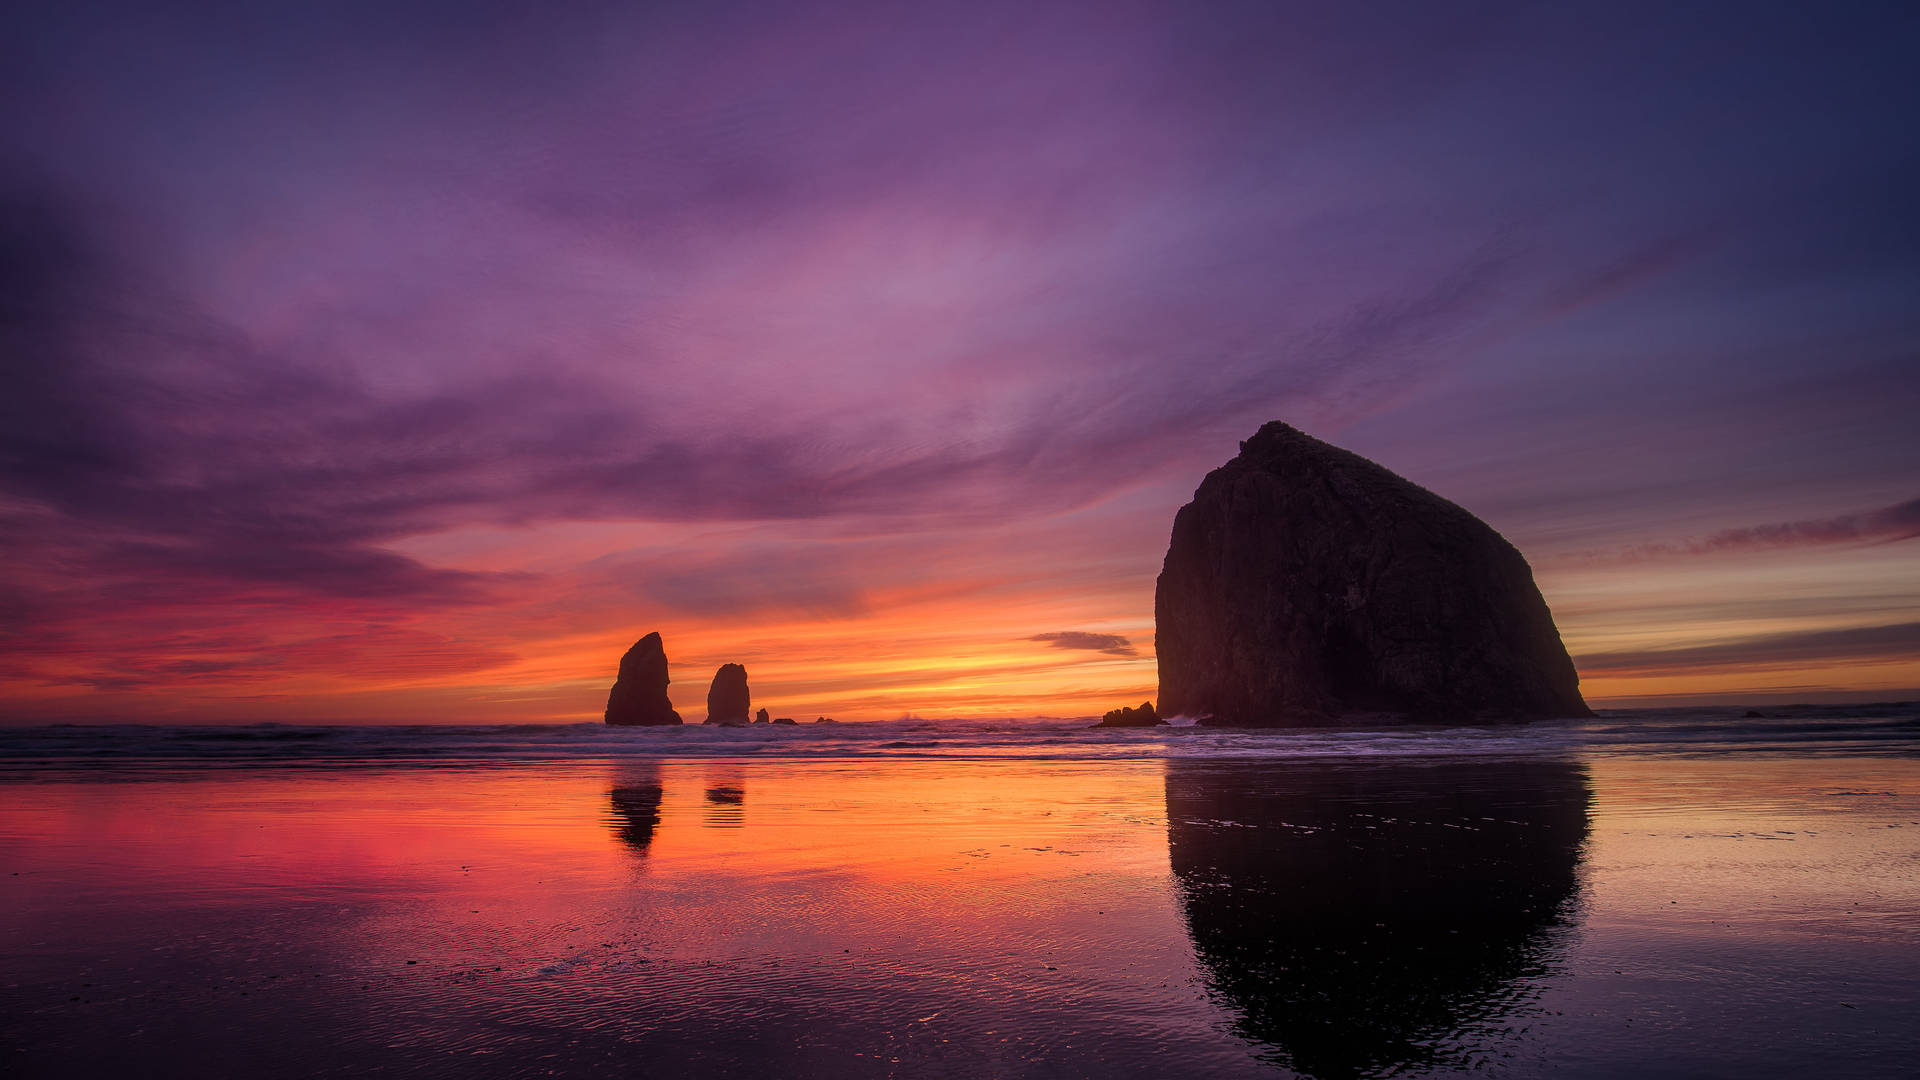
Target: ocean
1654, 893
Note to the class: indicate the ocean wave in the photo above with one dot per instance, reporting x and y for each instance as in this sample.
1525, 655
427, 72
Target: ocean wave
1888, 728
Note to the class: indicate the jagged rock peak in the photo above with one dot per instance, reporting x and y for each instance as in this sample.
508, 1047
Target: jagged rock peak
639, 694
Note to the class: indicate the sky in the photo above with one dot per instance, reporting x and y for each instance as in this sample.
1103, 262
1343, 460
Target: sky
407, 361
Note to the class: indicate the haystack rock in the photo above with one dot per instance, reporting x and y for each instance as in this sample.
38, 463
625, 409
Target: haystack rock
1307, 585
639, 695
727, 699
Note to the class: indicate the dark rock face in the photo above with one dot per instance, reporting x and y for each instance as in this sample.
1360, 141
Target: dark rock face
784, 720
1305, 583
727, 699
1144, 716
760, 717
639, 695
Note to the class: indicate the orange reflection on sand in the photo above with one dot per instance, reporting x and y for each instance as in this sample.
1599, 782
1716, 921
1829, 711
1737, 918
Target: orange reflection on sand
912, 822
1755, 846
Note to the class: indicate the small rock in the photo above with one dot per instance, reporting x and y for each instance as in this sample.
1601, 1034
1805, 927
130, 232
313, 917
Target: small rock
1144, 716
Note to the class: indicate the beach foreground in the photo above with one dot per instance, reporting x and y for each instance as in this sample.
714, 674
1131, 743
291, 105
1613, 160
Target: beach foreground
1657, 894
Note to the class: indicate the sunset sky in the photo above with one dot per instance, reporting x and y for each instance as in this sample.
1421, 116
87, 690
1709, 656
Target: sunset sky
408, 361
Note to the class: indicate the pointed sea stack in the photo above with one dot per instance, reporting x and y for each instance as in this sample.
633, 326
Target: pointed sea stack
1305, 584
727, 699
639, 695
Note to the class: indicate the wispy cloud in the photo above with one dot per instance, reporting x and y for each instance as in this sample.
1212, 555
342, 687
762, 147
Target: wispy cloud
1893, 641
1889, 524
1081, 640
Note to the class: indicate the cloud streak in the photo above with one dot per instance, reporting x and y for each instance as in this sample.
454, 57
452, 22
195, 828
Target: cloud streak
1896, 641
1081, 640
1886, 525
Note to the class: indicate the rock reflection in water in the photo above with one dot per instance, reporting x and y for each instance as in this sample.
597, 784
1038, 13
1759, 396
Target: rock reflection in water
1362, 918
635, 799
726, 797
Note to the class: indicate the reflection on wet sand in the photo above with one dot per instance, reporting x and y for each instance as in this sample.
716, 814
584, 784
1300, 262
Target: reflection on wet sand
635, 798
726, 795
1360, 918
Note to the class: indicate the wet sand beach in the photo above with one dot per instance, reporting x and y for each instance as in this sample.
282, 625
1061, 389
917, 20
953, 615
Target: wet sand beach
1650, 894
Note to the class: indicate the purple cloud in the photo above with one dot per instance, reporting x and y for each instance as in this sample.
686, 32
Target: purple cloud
1081, 640
1883, 526
1890, 642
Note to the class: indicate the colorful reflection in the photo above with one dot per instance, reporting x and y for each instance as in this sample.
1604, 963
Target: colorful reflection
875, 916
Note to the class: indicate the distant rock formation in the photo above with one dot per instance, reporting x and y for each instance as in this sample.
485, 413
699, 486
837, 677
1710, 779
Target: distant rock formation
783, 720
760, 717
825, 720
639, 694
727, 699
1144, 716
1305, 583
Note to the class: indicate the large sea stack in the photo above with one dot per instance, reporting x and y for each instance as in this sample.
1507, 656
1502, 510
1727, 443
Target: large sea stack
1307, 585
727, 699
639, 694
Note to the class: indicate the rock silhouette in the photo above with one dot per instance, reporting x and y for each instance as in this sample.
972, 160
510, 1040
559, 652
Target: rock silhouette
761, 717
727, 699
639, 694
1305, 583
783, 720
1143, 716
